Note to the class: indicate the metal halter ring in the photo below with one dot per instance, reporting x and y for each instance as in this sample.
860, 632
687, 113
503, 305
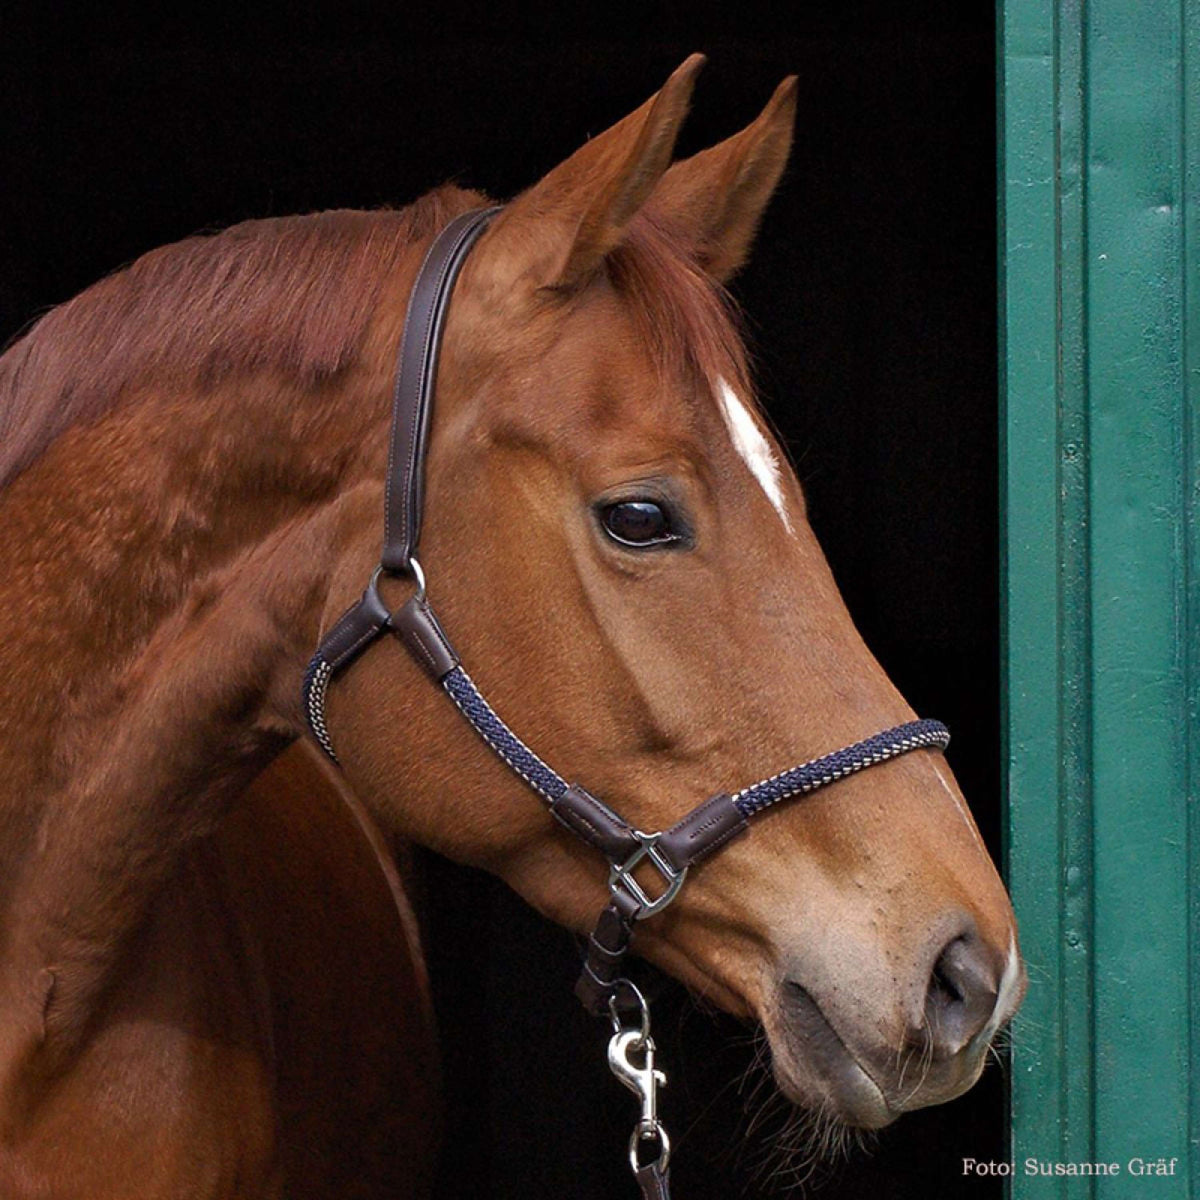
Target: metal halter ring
638, 1136
620, 875
643, 1007
412, 568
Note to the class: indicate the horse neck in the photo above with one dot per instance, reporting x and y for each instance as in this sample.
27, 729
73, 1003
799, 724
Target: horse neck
154, 623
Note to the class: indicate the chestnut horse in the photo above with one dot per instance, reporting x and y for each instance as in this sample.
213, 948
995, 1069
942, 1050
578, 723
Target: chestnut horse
213, 987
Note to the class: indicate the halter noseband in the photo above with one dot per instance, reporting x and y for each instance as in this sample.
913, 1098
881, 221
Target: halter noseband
670, 852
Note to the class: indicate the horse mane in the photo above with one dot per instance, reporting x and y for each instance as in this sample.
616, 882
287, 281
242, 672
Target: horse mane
295, 295
291, 294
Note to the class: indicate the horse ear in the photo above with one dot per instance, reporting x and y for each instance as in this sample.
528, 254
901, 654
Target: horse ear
561, 229
717, 197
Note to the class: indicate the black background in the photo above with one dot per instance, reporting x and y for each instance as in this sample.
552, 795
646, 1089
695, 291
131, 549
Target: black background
871, 307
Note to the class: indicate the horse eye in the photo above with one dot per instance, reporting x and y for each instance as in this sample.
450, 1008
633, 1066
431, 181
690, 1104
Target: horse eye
638, 523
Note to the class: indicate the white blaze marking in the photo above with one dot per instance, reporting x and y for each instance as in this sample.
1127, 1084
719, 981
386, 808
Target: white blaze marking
756, 452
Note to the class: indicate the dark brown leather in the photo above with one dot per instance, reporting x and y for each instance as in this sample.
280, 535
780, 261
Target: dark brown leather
416, 372
606, 949
356, 628
595, 822
702, 831
416, 626
624, 905
655, 1184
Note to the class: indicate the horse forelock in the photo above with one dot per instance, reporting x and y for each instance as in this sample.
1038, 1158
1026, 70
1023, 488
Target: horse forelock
693, 329
292, 295
689, 322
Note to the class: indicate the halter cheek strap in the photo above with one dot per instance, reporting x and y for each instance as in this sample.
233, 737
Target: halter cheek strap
671, 852
412, 403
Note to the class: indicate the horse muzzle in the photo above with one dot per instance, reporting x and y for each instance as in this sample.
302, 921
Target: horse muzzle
866, 1059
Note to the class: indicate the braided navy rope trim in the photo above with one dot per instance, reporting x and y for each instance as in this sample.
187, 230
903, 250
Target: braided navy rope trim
544, 780
808, 777
829, 767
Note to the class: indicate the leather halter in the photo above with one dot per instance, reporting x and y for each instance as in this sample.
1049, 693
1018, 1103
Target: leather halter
671, 852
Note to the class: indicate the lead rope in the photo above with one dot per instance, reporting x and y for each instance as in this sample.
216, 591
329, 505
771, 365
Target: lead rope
671, 852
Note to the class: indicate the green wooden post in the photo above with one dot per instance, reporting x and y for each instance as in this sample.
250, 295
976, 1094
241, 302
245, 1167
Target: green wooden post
1100, 324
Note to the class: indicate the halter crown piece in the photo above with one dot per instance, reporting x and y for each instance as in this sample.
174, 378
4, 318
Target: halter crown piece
671, 852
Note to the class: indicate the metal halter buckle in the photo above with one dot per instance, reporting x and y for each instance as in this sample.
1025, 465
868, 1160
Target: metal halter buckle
620, 875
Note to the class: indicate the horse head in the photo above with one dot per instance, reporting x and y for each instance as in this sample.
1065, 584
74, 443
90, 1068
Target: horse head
621, 554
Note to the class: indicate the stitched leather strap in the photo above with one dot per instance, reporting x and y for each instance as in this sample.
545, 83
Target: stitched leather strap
604, 958
594, 822
412, 400
702, 831
416, 373
417, 627
355, 629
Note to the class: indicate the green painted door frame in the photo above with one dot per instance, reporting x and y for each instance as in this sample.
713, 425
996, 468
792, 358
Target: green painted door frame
1100, 328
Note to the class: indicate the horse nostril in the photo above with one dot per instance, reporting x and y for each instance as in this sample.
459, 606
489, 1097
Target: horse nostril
961, 995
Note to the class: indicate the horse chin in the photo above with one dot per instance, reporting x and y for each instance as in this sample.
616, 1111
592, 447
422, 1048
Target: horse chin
815, 1071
